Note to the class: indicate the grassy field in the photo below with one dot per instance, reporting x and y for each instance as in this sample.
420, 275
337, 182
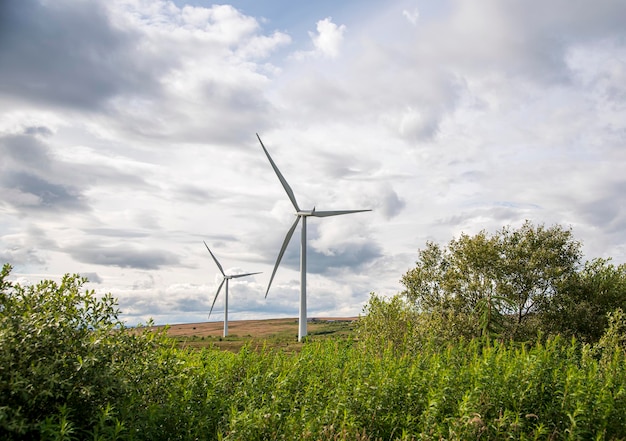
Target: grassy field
277, 333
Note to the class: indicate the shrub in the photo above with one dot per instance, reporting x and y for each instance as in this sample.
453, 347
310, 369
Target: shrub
66, 360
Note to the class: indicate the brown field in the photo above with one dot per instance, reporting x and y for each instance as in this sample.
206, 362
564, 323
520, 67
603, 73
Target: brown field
281, 332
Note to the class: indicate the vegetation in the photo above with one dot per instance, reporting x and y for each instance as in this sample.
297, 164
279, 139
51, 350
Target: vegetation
581, 308
496, 337
66, 360
514, 284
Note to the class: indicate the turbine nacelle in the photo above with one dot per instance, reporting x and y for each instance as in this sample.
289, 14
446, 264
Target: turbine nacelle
236, 276
315, 213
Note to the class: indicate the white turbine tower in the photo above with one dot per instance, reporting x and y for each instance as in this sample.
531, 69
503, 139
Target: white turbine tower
226, 278
300, 214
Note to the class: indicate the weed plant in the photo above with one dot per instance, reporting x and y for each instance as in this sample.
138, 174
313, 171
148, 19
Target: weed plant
336, 390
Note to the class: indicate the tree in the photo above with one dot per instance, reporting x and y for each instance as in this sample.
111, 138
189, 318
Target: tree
493, 281
535, 262
459, 282
583, 303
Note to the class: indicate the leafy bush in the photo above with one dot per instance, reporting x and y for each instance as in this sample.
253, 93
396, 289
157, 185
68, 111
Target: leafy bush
396, 324
66, 360
388, 323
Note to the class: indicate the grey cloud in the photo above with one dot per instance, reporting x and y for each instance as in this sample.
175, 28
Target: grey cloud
115, 232
608, 212
25, 249
351, 256
530, 39
97, 56
147, 283
66, 53
20, 256
427, 95
218, 240
228, 118
123, 256
92, 277
189, 303
472, 176
499, 214
46, 195
343, 166
38, 130
388, 202
420, 127
32, 178
582, 20
193, 193
24, 151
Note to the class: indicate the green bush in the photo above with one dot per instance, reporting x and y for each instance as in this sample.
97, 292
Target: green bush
67, 363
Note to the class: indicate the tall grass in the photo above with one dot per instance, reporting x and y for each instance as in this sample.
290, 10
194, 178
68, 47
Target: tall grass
555, 389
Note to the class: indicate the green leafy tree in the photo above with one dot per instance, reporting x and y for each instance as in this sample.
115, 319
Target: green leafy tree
535, 261
492, 283
582, 305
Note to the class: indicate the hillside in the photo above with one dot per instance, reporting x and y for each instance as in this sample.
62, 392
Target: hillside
280, 332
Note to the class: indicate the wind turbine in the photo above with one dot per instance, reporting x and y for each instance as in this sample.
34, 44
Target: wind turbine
300, 214
226, 278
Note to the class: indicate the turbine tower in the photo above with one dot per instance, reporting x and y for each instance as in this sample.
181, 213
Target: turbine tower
300, 214
226, 278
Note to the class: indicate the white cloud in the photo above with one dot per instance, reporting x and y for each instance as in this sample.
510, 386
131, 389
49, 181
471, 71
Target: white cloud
327, 41
411, 16
329, 37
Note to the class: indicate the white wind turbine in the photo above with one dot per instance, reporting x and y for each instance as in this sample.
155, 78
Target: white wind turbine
300, 214
226, 278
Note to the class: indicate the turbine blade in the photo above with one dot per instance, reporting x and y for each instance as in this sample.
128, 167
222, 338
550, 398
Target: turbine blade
243, 275
216, 294
282, 251
334, 213
214, 258
281, 178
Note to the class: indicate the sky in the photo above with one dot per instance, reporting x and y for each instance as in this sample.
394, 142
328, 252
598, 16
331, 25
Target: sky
128, 137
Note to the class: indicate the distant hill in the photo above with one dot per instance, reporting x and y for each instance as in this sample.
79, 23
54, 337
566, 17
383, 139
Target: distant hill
278, 332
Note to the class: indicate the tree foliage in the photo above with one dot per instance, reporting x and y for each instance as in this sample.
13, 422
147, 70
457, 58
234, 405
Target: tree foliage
496, 283
582, 305
536, 261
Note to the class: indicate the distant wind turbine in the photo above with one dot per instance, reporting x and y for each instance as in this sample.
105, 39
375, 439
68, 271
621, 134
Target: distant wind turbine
300, 214
225, 279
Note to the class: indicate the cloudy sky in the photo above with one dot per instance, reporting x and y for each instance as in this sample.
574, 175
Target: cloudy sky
127, 138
